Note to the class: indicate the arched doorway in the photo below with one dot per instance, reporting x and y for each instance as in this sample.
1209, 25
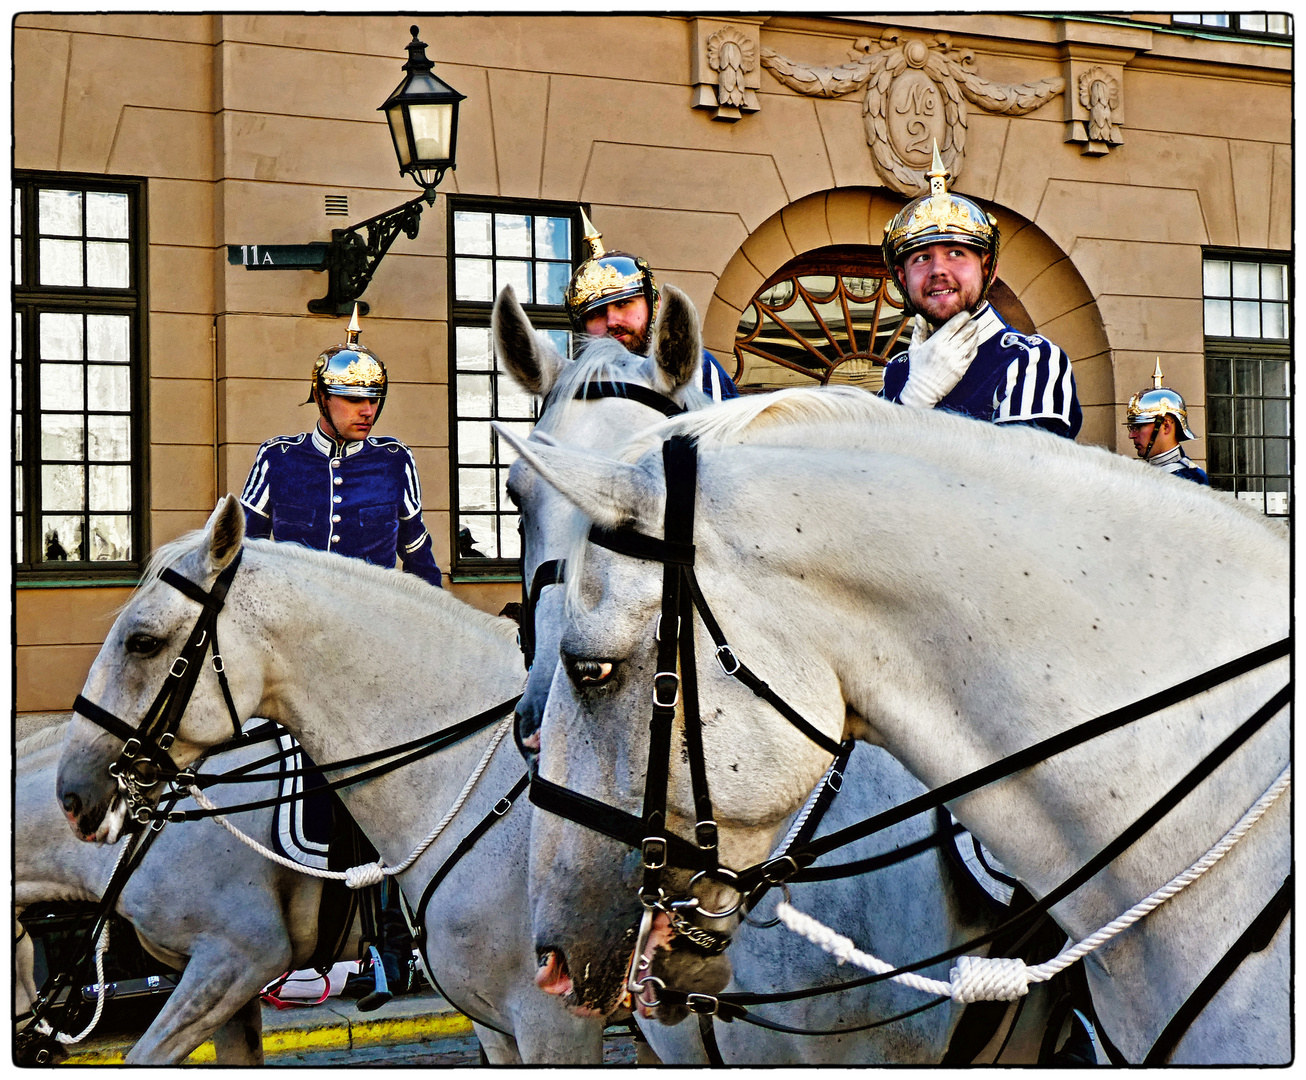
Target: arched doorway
832, 316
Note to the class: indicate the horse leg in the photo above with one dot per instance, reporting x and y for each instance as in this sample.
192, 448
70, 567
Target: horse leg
240, 1040
499, 1049
217, 984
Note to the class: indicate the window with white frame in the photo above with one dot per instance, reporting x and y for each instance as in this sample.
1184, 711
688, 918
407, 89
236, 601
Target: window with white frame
1247, 320
78, 308
531, 246
1279, 25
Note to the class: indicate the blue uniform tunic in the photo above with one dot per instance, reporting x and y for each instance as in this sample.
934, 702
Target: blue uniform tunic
1015, 378
716, 383
360, 499
1180, 464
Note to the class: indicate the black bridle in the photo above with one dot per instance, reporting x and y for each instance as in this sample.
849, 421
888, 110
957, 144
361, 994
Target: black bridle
144, 759
659, 847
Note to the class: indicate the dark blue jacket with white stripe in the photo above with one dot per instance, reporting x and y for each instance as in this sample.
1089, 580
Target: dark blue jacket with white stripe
1015, 378
361, 499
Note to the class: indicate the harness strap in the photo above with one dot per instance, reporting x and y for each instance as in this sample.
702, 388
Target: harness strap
645, 395
640, 545
1256, 938
550, 572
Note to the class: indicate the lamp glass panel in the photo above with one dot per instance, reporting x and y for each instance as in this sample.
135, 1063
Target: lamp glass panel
395, 114
432, 130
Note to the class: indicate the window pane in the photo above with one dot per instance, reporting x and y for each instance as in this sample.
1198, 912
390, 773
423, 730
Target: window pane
111, 537
109, 438
1247, 279
473, 346
1248, 457
1276, 417
1275, 376
1215, 277
1219, 322
476, 539
514, 402
1280, 24
108, 388
518, 275
61, 386
551, 282
111, 487
1219, 378
1219, 415
510, 538
1219, 455
1274, 281
1247, 377
1251, 22
61, 537
62, 487
474, 278
512, 235
475, 442
1274, 321
507, 455
560, 339
553, 238
107, 266
59, 213
106, 214
1247, 416
474, 396
61, 336
18, 437
61, 437
1246, 318
61, 262
475, 489
18, 262
108, 337
471, 233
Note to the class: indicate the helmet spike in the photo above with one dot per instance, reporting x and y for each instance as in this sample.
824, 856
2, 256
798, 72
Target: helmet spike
1156, 375
353, 329
938, 175
593, 237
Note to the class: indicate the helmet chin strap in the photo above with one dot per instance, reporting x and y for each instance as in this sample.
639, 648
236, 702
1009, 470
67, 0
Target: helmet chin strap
1156, 430
326, 417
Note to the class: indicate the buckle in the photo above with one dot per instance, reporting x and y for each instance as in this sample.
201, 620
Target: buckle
661, 681
654, 852
502, 806
173, 671
131, 748
657, 636
166, 740
706, 834
770, 869
157, 822
724, 651
176, 815
702, 1004
218, 665
835, 780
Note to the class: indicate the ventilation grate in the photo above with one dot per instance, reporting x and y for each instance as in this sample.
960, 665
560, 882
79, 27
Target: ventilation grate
337, 205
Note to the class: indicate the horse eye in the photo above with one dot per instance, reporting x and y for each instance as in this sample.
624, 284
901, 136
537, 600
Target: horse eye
143, 644
585, 673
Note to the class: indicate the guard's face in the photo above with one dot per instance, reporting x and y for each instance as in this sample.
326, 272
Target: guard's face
353, 417
943, 279
1141, 434
626, 320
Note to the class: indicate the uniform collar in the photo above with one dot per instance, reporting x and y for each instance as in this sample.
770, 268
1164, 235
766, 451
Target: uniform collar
329, 447
989, 321
1170, 457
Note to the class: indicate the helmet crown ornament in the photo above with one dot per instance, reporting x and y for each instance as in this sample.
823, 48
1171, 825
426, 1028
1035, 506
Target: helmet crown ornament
941, 217
606, 276
1159, 401
349, 370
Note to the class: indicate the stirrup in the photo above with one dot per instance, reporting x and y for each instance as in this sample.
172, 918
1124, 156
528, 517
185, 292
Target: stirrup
381, 994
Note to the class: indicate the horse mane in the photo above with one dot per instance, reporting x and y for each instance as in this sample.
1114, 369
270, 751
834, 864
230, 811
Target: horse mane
604, 359
40, 739
376, 580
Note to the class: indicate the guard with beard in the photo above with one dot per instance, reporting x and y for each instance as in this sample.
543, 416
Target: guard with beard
942, 250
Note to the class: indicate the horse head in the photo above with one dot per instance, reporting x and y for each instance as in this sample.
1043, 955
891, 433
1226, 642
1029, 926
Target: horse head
595, 741
142, 646
671, 371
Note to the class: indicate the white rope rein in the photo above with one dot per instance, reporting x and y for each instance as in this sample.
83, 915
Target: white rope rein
101, 947
357, 877
982, 978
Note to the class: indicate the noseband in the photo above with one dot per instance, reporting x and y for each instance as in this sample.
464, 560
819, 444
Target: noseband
144, 759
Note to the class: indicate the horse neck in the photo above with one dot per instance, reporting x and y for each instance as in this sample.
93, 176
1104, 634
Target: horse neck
419, 663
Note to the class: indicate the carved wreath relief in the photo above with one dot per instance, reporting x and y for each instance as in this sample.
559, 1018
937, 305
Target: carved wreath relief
916, 94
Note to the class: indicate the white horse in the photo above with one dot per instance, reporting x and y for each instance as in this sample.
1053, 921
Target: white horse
918, 901
956, 592
200, 901
351, 658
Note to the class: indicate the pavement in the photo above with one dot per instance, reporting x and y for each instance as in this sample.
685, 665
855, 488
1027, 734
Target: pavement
336, 1024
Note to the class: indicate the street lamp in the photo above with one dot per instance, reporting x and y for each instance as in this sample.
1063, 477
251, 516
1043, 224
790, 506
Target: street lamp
423, 116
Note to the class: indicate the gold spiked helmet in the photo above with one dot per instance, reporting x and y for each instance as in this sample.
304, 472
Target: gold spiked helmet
349, 370
941, 218
1159, 401
606, 276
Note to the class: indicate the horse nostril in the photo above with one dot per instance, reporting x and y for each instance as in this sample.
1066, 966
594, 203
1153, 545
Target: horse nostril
72, 804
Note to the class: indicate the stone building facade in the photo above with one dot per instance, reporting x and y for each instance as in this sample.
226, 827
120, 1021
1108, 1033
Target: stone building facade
1140, 170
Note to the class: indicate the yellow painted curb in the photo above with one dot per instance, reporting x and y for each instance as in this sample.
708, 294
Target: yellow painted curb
331, 1037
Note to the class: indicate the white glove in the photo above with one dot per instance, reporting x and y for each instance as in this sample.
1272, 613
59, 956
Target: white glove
936, 362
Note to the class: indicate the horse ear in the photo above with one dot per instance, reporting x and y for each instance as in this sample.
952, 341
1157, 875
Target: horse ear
531, 361
612, 493
677, 341
226, 531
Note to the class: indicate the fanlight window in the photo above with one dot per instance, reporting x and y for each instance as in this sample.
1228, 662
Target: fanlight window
827, 317
833, 316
